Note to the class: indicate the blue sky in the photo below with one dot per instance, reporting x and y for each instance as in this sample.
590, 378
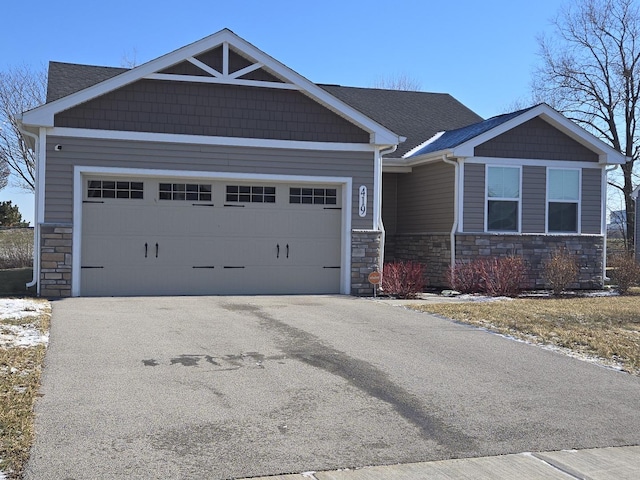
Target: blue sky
482, 53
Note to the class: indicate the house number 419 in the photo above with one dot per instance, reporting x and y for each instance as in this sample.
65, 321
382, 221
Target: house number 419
362, 210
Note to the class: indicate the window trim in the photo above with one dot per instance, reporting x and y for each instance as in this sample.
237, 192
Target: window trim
518, 200
578, 202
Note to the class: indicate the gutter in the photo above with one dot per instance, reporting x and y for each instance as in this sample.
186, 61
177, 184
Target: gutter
378, 221
604, 223
36, 226
454, 227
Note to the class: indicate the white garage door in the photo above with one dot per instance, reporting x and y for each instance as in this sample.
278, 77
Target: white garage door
194, 237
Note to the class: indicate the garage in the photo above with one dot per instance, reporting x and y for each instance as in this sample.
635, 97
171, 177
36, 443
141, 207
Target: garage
198, 236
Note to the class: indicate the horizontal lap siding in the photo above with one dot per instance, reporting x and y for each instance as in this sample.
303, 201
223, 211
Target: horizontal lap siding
533, 199
591, 200
473, 208
425, 199
390, 202
196, 158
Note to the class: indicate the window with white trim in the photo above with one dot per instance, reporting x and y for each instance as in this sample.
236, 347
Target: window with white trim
503, 199
185, 191
251, 194
563, 197
313, 196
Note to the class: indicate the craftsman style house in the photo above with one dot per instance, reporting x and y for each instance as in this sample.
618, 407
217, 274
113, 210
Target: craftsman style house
215, 169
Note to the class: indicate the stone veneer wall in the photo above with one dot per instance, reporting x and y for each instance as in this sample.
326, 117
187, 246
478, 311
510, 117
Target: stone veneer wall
55, 260
535, 249
431, 249
365, 254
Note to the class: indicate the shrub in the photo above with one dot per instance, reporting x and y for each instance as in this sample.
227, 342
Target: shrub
625, 272
560, 270
404, 279
16, 248
494, 276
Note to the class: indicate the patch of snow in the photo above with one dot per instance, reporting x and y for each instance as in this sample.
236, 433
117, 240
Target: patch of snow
26, 335
17, 308
481, 298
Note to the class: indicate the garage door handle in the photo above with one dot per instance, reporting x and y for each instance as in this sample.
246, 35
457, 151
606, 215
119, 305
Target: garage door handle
278, 250
156, 250
287, 250
146, 249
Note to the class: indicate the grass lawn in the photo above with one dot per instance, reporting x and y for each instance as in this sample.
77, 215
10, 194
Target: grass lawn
604, 327
20, 369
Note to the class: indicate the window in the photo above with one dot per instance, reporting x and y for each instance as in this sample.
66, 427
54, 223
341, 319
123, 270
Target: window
315, 196
503, 199
114, 189
563, 195
251, 194
185, 191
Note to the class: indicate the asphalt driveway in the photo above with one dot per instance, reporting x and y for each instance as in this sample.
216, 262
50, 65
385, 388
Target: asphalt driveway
224, 387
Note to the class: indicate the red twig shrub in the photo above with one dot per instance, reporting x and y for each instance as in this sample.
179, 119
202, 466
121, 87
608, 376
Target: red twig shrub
494, 276
625, 272
403, 279
560, 270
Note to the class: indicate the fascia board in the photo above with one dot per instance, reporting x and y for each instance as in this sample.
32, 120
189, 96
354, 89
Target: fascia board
44, 115
606, 153
415, 161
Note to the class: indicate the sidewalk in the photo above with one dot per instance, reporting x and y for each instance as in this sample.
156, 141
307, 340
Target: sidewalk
615, 463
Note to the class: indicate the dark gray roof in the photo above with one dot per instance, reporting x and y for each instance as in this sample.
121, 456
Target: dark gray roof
67, 78
452, 138
415, 115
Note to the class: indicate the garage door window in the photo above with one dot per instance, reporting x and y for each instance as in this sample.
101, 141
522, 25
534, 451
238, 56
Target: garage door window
185, 191
114, 189
315, 196
251, 194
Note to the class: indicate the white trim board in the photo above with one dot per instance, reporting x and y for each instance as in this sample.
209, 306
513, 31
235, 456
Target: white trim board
204, 140
80, 171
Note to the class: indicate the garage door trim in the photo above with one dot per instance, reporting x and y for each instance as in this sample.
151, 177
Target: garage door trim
81, 171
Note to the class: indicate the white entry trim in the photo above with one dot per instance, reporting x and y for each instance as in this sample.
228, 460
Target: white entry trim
79, 171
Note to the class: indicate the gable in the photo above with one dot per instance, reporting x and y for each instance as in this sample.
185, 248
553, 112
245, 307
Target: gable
241, 65
219, 110
535, 139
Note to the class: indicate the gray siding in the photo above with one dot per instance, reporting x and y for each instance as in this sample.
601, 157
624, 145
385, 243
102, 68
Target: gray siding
535, 139
201, 158
425, 199
473, 209
212, 110
534, 187
591, 200
390, 202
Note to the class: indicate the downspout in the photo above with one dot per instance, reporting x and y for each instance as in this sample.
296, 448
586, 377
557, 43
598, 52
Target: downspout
604, 223
378, 221
36, 226
454, 227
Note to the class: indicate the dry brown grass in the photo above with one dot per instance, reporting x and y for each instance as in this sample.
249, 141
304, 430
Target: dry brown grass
604, 327
20, 370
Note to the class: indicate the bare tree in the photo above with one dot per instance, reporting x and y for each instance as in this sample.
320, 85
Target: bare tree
400, 81
21, 89
590, 71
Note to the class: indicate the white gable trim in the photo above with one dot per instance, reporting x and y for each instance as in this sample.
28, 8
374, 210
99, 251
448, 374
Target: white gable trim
204, 140
44, 115
606, 153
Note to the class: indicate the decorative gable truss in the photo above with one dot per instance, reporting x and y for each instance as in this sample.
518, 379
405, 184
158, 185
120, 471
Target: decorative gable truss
223, 65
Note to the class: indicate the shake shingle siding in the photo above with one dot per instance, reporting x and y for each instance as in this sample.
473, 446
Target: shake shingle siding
196, 158
535, 139
212, 110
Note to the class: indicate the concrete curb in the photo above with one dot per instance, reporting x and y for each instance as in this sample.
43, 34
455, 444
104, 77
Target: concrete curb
614, 463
